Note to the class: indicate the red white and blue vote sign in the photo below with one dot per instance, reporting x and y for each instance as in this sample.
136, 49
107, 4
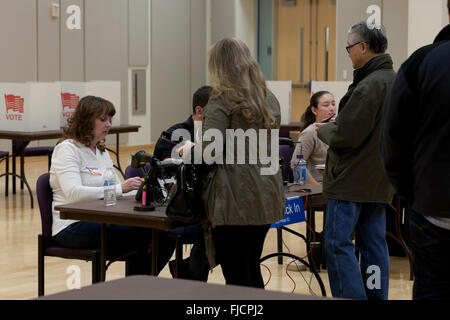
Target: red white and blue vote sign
295, 212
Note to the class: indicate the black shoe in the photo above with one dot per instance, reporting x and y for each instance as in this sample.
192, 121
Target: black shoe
172, 267
183, 271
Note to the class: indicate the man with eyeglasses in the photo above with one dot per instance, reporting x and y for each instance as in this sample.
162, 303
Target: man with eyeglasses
355, 182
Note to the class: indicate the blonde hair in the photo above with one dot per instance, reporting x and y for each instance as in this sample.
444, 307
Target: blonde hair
237, 81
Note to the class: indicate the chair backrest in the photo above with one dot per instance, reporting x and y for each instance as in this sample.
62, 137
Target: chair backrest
135, 172
286, 153
44, 195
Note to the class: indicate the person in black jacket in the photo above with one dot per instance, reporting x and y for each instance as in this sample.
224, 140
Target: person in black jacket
164, 145
415, 149
196, 267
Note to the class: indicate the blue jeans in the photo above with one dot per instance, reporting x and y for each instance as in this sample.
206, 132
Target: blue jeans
430, 248
348, 279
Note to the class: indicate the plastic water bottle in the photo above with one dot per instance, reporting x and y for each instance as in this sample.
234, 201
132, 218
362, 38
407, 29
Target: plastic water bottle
109, 187
300, 170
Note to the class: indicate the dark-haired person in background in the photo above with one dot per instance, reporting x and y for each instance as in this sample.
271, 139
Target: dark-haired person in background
76, 174
196, 267
163, 150
355, 183
415, 144
321, 107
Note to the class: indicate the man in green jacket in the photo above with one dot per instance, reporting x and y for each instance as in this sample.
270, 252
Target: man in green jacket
355, 182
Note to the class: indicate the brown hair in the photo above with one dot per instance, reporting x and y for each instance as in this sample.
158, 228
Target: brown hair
81, 123
237, 80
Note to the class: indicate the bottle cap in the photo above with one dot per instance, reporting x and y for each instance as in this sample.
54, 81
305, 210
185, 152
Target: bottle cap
298, 156
301, 156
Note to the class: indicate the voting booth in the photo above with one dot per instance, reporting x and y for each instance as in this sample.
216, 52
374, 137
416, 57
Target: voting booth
31, 106
41, 106
72, 92
283, 92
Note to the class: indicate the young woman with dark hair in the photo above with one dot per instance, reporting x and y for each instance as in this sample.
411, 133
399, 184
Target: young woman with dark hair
322, 106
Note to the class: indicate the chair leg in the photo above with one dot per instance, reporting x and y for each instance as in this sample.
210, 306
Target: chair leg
49, 160
41, 272
22, 171
14, 171
127, 268
96, 268
178, 254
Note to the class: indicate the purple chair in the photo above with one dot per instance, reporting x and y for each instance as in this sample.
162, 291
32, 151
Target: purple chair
17, 146
46, 245
286, 155
135, 172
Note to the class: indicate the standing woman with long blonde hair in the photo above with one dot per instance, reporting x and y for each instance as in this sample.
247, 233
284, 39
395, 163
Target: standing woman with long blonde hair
240, 202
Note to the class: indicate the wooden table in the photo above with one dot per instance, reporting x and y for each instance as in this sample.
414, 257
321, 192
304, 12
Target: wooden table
293, 126
27, 137
153, 288
122, 213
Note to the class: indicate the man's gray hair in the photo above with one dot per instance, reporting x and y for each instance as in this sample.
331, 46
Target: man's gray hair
374, 36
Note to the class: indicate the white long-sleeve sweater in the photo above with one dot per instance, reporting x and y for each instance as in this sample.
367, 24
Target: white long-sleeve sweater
76, 174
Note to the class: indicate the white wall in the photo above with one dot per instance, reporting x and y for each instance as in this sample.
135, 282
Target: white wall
246, 23
425, 20
233, 18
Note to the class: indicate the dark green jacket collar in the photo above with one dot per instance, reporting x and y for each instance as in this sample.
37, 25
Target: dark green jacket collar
383, 61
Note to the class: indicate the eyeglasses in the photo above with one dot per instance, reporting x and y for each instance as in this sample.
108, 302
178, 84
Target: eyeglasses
348, 47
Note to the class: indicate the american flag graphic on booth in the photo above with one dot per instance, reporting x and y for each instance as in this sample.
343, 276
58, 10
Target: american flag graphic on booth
14, 103
69, 100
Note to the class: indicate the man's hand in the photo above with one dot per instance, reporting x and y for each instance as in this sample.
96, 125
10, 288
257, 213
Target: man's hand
321, 124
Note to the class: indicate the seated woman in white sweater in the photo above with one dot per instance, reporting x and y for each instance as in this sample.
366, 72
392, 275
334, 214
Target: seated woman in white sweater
76, 174
322, 106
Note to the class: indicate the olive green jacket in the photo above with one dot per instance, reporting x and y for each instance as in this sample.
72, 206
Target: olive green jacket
238, 194
354, 171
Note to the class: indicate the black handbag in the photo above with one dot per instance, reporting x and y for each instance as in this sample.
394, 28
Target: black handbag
185, 202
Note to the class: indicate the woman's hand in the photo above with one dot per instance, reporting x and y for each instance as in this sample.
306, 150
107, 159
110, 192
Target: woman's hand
131, 184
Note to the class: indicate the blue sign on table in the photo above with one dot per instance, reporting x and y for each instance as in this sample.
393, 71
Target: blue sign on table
295, 212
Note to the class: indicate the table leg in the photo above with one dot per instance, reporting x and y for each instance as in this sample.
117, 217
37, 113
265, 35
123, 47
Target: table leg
22, 177
280, 244
14, 172
116, 153
104, 239
154, 252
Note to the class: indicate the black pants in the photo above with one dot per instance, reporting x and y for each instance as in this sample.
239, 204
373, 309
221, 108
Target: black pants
429, 246
196, 267
121, 240
238, 250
